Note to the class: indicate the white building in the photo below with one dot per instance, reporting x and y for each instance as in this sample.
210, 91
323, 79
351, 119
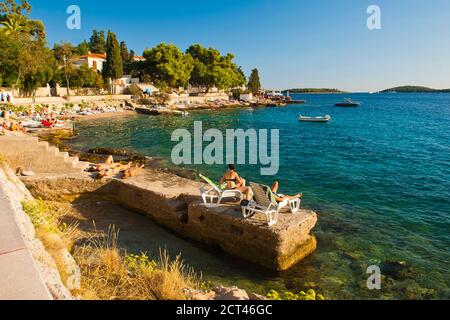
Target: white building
138, 58
247, 97
93, 60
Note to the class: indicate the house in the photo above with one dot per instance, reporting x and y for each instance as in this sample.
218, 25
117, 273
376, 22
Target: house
247, 97
138, 58
124, 82
93, 60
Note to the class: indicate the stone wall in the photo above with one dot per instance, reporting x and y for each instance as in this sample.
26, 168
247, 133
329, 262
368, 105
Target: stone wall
27, 271
70, 99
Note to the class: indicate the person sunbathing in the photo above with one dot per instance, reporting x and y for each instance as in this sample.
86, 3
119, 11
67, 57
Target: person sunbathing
134, 171
282, 198
114, 169
107, 164
235, 182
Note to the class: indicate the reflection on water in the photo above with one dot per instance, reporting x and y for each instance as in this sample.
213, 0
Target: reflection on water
378, 176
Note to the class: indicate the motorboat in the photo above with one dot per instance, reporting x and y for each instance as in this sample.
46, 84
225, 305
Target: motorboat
315, 119
348, 103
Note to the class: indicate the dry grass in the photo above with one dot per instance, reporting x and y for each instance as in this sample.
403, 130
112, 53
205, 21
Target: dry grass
109, 273
53, 233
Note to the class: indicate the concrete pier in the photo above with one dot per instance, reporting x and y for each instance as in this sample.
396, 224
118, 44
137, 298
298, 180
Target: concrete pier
174, 202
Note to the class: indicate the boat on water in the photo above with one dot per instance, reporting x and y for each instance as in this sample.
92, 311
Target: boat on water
315, 119
348, 103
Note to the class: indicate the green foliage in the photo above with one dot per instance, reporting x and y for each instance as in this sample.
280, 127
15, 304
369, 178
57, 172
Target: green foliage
125, 54
85, 77
168, 66
113, 67
41, 215
9, 7
97, 42
415, 89
26, 62
254, 83
136, 263
134, 90
82, 48
210, 68
309, 295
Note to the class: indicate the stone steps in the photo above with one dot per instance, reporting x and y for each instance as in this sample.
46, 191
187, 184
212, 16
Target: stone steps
39, 156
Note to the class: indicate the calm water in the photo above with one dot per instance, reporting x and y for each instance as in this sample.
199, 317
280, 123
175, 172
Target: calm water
378, 176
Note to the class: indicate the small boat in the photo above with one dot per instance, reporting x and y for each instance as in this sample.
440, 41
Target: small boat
315, 119
348, 103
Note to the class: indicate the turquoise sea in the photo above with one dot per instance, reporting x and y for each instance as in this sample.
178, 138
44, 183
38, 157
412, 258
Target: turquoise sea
378, 176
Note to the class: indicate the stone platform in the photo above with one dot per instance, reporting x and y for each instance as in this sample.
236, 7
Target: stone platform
174, 202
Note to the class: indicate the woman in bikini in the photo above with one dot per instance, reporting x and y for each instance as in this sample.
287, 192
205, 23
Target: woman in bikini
235, 182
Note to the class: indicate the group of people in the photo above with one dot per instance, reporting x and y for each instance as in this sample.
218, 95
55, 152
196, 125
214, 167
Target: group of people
110, 168
234, 181
5, 97
12, 126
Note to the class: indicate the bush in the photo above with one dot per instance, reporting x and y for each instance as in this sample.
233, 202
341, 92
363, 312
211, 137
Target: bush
134, 90
309, 295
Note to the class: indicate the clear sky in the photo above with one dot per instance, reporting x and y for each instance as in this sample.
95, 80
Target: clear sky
293, 43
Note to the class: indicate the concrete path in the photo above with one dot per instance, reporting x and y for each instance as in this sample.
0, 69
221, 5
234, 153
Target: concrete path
19, 276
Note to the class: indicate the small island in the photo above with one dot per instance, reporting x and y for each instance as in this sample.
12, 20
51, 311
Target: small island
313, 90
414, 89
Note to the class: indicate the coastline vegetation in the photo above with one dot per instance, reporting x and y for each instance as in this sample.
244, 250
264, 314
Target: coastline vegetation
415, 89
28, 63
313, 90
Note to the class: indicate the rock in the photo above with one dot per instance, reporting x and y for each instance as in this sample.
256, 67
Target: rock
398, 270
233, 293
256, 297
199, 295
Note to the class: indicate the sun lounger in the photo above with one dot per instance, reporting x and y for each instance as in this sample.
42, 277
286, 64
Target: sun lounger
264, 202
213, 195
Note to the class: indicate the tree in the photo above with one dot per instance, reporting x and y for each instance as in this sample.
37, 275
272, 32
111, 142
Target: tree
254, 83
125, 54
9, 7
97, 42
82, 48
210, 68
12, 26
168, 66
113, 68
26, 62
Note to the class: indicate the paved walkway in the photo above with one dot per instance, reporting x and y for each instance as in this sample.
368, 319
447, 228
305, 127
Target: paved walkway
19, 276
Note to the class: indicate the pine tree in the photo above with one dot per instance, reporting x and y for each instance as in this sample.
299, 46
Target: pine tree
254, 83
124, 53
97, 42
113, 67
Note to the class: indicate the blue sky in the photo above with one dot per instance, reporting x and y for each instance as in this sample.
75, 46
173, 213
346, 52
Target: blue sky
293, 43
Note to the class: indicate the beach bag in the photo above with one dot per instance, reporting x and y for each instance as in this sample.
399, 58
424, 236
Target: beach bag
244, 203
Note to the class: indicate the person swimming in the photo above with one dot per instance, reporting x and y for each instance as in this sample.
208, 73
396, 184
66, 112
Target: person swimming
234, 182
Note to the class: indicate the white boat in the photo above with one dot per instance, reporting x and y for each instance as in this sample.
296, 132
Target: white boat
315, 119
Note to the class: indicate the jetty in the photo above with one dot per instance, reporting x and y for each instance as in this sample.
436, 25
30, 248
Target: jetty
169, 200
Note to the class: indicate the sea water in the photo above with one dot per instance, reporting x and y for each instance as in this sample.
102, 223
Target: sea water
378, 176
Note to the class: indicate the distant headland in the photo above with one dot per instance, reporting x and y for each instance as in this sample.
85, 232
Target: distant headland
313, 90
415, 89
